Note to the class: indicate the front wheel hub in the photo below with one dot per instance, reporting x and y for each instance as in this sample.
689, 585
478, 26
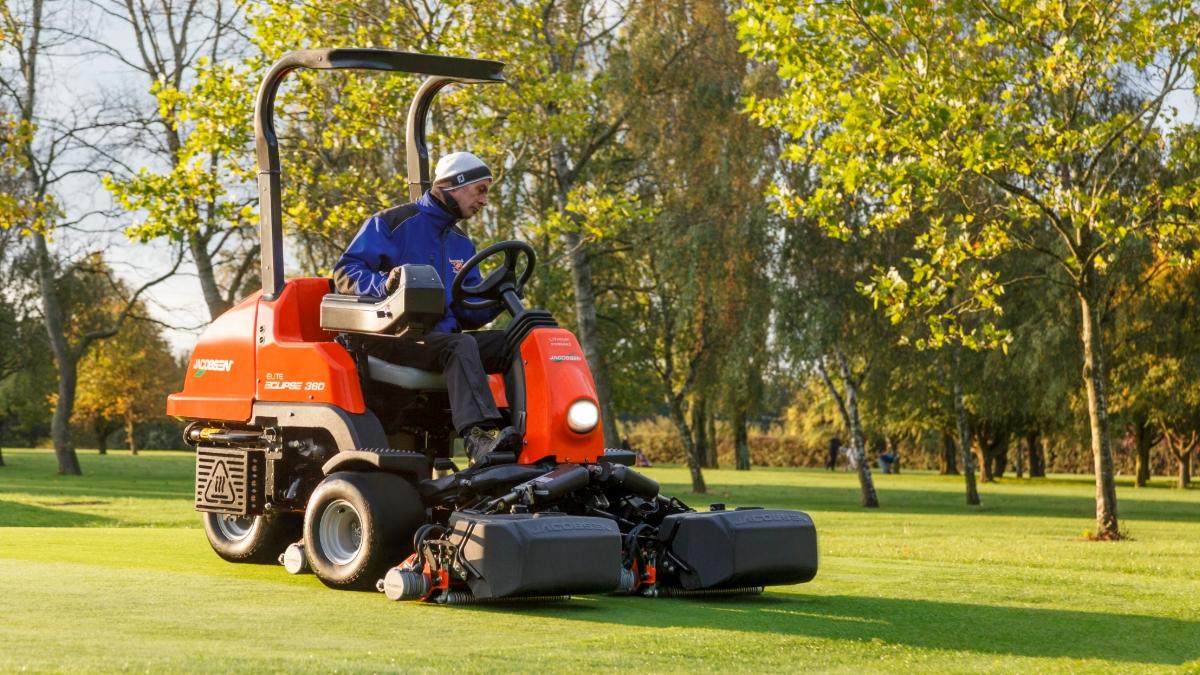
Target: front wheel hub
235, 528
341, 532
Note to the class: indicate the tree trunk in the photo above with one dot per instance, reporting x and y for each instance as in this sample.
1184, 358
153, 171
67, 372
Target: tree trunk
711, 434
848, 407
699, 413
1094, 378
865, 482
589, 338
689, 447
982, 457
1019, 461
948, 464
1, 456
208, 279
65, 360
998, 453
741, 440
52, 317
130, 439
1144, 438
964, 441
1036, 453
1181, 450
101, 430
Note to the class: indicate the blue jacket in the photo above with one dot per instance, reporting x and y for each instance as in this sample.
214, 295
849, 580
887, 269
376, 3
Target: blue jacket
421, 233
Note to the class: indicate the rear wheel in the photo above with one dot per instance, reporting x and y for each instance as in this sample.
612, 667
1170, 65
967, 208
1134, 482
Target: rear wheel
251, 539
359, 524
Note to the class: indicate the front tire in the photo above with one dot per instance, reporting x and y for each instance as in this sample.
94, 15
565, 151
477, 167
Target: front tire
251, 539
359, 524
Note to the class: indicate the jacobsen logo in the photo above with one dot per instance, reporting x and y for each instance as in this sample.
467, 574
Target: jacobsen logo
202, 366
769, 517
568, 527
566, 357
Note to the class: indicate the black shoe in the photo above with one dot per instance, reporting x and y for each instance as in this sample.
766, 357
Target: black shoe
490, 447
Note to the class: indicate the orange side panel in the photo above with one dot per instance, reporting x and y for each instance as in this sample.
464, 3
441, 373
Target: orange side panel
556, 375
297, 360
219, 384
496, 384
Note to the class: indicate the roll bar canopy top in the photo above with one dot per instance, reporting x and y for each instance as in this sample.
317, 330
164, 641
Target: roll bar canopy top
441, 71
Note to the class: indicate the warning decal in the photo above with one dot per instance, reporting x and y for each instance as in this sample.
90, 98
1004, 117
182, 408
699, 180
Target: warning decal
219, 489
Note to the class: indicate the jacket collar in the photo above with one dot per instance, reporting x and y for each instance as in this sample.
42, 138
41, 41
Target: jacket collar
437, 213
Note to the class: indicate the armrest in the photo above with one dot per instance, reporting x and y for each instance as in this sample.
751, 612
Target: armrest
418, 303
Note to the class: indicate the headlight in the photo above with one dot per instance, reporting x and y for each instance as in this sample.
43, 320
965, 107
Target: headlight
583, 416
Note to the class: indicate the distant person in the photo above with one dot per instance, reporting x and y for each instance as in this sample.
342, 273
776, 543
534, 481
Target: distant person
642, 460
835, 446
889, 462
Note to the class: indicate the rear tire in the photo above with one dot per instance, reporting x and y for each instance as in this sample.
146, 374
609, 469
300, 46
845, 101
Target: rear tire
358, 525
253, 539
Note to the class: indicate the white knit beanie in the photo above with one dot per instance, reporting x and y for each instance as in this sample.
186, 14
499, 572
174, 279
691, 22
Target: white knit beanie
458, 169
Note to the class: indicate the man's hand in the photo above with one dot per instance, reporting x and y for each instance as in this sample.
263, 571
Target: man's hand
393, 281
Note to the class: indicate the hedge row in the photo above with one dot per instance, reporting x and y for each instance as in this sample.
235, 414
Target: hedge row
764, 450
792, 451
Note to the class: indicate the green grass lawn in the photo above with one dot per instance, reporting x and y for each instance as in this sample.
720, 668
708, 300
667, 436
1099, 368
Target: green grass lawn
111, 571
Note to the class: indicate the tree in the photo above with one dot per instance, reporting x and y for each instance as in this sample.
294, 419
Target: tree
1158, 381
147, 374
1058, 112
570, 99
700, 309
194, 134
825, 322
11, 208
51, 148
846, 397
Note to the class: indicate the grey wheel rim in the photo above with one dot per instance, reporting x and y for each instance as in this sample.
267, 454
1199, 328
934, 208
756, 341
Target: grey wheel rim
235, 528
340, 532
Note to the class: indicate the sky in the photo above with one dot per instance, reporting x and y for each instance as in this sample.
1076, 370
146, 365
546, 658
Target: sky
80, 77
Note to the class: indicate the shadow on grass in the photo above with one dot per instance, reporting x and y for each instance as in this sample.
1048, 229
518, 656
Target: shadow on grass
821, 498
922, 624
13, 514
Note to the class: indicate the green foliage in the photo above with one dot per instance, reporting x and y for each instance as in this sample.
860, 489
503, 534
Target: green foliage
211, 117
25, 408
1159, 365
599, 213
1027, 126
20, 209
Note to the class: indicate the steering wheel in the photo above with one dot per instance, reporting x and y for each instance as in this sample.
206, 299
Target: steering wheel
489, 292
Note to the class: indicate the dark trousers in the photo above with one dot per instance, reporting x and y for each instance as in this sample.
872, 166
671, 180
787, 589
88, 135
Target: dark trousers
464, 358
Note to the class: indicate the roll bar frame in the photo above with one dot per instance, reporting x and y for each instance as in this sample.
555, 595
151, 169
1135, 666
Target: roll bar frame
441, 71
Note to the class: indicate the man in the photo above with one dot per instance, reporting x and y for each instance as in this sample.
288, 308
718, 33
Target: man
426, 233
835, 445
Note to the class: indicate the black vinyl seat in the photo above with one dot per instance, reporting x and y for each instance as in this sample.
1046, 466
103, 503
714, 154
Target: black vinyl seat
405, 377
